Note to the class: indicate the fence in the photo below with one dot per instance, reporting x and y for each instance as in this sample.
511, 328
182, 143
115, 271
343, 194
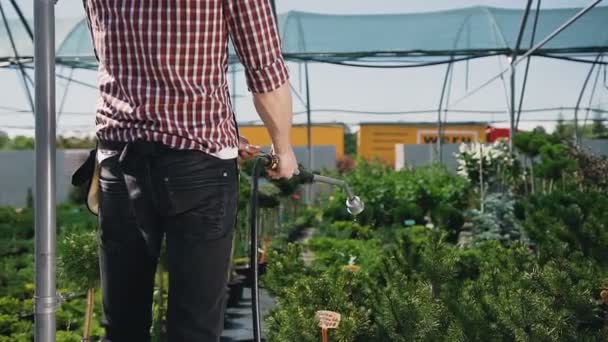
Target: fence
17, 171
420, 155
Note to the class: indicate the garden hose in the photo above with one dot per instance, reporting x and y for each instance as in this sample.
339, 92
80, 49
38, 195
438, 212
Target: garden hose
354, 206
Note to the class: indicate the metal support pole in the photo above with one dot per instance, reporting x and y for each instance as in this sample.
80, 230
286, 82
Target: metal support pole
580, 98
44, 58
308, 130
592, 95
528, 60
28, 29
273, 5
439, 121
512, 78
22, 71
531, 51
512, 85
233, 87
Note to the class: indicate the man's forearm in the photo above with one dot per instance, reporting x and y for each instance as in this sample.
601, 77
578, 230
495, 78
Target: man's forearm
276, 111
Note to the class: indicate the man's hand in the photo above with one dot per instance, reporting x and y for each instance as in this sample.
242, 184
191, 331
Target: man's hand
246, 150
288, 165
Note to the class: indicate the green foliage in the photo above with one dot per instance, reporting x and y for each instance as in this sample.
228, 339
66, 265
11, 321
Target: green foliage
350, 144
487, 165
449, 219
336, 253
422, 288
17, 275
293, 318
391, 197
16, 224
555, 162
78, 261
531, 143
4, 141
563, 223
598, 128
346, 230
595, 130
497, 221
306, 218
28, 143
74, 224
406, 311
591, 170
285, 269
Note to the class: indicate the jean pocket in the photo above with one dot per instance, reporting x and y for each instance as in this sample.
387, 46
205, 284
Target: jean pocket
116, 217
188, 191
198, 181
206, 214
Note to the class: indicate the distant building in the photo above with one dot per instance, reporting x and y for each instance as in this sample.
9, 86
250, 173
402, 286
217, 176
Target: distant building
378, 140
322, 135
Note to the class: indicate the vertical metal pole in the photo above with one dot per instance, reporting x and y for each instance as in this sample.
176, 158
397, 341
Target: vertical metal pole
44, 58
274, 11
439, 121
580, 98
512, 81
24, 21
22, 71
597, 79
234, 88
308, 131
528, 60
512, 78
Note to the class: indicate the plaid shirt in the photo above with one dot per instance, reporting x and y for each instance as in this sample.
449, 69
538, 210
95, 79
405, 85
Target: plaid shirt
163, 65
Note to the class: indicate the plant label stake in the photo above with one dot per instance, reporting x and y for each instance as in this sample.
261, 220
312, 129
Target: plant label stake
327, 320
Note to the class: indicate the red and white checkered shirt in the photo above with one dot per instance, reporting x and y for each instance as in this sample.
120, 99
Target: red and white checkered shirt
163, 65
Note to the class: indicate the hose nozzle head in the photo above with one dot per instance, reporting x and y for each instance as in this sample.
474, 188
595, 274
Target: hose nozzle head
354, 205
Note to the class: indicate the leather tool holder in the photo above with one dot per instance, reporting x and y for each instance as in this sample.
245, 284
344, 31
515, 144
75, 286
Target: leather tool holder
87, 176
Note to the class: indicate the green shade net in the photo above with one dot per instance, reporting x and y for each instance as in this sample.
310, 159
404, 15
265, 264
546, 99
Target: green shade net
469, 32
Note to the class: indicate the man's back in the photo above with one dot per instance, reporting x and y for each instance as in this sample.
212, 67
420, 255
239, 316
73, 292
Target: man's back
163, 68
163, 90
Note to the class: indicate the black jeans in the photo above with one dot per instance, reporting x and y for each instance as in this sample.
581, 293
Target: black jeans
149, 192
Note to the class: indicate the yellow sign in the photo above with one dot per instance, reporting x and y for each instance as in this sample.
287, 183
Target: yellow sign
377, 141
332, 135
450, 136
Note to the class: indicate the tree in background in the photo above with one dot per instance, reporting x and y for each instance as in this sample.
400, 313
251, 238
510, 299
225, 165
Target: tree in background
350, 143
598, 129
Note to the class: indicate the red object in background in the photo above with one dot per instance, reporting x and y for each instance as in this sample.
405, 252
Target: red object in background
495, 133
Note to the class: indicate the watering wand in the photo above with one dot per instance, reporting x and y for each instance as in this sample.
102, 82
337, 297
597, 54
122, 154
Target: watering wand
354, 205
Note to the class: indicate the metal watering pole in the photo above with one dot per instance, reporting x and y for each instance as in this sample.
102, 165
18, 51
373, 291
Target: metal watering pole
45, 300
354, 205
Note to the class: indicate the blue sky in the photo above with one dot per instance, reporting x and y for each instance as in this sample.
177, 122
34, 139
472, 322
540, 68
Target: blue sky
551, 83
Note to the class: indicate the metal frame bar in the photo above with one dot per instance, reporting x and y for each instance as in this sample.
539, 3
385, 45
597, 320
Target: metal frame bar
16, 53
439, 121
308, 130
273, 5
45, 299
23, 20
531, 51
592, 95
577, 136
513, 75
528, 60
448, 76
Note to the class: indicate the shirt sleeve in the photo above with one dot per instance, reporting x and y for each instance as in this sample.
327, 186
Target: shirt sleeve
256, 39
